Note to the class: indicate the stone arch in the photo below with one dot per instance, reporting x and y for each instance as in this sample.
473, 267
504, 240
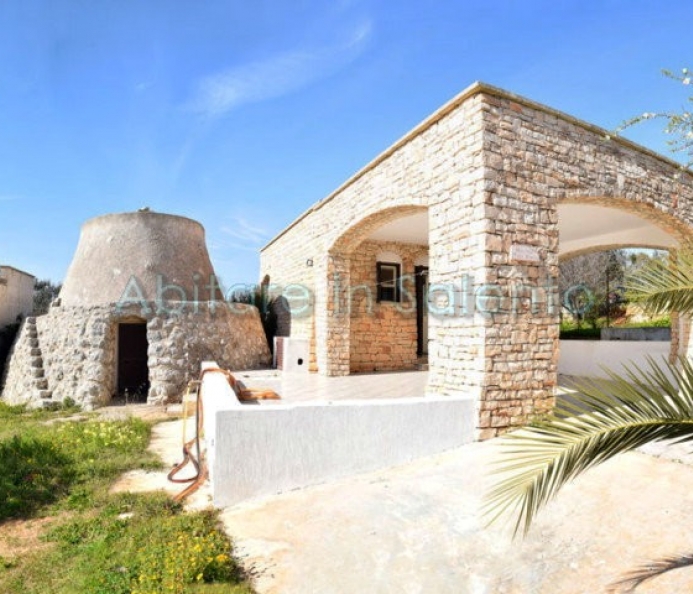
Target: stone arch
660, 228
333, 333
634, 224
354, 235
669, 219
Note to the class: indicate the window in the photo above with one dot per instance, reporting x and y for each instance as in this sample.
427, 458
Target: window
388, 281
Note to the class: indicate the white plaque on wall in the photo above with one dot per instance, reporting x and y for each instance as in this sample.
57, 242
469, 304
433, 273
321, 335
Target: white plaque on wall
524, 253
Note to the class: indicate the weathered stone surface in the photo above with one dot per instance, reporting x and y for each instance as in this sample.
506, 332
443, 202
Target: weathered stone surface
382, 336
490, 170
78, 346
125, 270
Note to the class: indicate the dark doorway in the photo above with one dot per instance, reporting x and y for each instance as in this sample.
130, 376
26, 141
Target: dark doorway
133, 372
421, 273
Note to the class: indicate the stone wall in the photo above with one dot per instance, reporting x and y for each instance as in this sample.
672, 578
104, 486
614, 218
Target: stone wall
383, 335
429, 169
490, 168
534, 159
71, 351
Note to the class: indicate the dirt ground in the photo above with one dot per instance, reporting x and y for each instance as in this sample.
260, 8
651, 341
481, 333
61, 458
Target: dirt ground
21, 536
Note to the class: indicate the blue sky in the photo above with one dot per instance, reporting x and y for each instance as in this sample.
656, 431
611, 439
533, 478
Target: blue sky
242, 114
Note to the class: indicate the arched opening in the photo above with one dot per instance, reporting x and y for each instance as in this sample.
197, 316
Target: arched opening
586, 227
595, 245
132, 368
380, 313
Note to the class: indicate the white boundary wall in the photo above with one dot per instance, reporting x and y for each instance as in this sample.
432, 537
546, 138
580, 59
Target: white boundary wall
255, 451
588, 357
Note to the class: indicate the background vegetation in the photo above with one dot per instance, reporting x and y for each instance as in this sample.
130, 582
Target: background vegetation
593, 295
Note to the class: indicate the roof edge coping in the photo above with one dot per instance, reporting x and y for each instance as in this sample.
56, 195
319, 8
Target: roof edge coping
475, 88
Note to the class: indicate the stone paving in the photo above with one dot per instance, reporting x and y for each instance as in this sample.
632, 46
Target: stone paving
417, 529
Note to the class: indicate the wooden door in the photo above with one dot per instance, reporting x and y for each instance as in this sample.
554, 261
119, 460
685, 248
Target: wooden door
133, 371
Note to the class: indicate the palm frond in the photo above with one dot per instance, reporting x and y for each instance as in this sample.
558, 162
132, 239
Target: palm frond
663, 287
630, 582
611, 417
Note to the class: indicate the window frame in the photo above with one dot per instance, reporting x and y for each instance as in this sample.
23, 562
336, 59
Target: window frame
396, 297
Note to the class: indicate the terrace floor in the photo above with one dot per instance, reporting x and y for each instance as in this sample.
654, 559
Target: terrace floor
305, 387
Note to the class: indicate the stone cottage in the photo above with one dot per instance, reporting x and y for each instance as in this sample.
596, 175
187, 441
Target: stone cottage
16, 294
139, 310
445, 248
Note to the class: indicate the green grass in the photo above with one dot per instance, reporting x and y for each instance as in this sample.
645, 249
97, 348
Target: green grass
101, 543
51, 462
663, 322
133, 544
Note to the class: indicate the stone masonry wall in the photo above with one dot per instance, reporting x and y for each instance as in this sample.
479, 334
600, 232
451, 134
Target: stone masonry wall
427, 169
490, 168
77, 350
24, 379
534, 159
383, 335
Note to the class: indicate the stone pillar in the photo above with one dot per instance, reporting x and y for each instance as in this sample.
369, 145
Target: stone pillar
494, 251
680, 327
457, 264
332, 316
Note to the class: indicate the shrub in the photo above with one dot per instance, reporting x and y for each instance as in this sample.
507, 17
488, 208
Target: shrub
266, 305
589, 333
183, 550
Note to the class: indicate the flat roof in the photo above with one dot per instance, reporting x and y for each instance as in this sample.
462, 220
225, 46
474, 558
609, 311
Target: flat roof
475, 89
4, 266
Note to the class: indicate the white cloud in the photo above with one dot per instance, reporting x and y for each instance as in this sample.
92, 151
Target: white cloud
245, 235
278, 75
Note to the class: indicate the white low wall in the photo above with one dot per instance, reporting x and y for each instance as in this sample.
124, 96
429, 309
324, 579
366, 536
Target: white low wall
588, 357
216, 395
254, 451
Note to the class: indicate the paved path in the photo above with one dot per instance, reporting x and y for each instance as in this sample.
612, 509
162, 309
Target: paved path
416, 530
167, 443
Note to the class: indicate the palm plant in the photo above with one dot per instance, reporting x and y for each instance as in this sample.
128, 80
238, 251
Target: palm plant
609, 417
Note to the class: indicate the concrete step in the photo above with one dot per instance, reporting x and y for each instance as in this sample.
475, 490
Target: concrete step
37, 372
46, 394
41, 383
